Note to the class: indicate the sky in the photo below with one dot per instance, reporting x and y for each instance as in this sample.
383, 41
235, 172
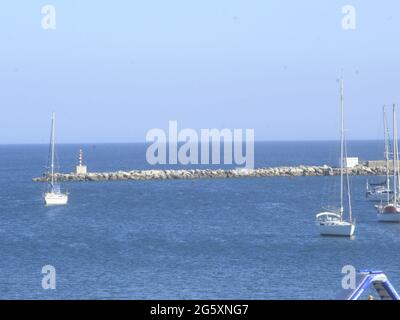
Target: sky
113, 70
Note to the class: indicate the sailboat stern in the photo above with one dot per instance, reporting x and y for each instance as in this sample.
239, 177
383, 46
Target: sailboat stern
331, 224
344, 229
52, 198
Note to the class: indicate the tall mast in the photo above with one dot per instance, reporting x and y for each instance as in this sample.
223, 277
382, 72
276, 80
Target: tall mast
386, 136
395, 155
348, 184
397, 178
52, 147
341, 145
397, 158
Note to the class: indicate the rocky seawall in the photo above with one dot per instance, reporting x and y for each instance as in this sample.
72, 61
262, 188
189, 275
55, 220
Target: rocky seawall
210, 174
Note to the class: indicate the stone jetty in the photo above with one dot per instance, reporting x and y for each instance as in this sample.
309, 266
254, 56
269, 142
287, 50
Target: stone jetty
218, 173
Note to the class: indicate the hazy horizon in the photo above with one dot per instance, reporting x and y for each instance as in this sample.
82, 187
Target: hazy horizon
144, 142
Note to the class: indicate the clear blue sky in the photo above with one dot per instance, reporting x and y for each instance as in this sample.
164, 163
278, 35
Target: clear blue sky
113, 71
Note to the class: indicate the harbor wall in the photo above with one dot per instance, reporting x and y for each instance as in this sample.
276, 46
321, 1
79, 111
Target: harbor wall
379, 163
218, 173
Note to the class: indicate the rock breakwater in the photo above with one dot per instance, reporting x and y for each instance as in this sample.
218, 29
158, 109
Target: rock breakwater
211, 173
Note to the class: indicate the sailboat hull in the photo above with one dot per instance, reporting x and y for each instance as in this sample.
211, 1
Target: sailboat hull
340, 229
54, 199
377, 196
389, 217
389, 213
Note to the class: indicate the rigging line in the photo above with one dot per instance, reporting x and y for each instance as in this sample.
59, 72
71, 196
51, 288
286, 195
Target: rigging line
348, 183
341, 144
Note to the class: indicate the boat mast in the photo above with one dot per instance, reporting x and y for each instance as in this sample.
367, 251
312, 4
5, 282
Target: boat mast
386, 133
395, 155
348, 182
341, 146
397, 178
52, 148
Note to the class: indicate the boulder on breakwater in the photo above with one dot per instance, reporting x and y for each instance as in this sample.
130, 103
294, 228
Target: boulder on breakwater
212, 173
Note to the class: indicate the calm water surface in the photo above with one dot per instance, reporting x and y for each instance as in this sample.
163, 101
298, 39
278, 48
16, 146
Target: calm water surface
249, 238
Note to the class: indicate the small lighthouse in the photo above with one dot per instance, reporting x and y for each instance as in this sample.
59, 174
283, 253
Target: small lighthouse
80, 168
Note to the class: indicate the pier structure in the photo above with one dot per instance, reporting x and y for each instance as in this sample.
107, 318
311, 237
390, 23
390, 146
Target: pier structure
380, 163
160, 174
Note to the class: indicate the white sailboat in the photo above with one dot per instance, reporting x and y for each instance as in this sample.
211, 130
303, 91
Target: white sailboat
391, 211
332, 222
381, 191
54, 196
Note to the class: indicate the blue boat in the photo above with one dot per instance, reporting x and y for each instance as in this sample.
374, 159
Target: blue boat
367, 279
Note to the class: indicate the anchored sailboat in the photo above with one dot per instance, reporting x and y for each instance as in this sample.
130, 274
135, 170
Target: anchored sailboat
53, 195
380, 191
391, 211
332, 222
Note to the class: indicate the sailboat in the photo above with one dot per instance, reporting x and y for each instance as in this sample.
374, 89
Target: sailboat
331, 222
379, 191
53, 195
391, 211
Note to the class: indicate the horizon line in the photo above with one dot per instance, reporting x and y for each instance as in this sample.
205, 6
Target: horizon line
144, 142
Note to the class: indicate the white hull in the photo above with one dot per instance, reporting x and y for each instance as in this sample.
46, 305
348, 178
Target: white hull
389, 213
54, 199
377, 196
343, 229
389, 217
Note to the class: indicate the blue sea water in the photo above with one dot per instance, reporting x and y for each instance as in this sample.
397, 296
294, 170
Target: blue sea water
246, 238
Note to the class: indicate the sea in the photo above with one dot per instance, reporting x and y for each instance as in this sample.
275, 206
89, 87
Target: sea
237, 238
